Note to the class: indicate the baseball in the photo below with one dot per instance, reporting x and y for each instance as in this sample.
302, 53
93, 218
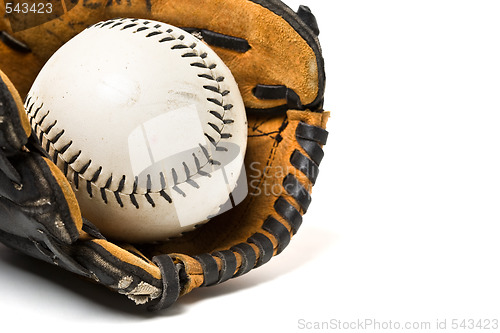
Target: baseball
148, 125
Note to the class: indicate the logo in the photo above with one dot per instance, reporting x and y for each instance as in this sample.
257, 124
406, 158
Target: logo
167, 157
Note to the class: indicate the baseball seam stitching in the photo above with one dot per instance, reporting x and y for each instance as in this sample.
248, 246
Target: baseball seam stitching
37, 125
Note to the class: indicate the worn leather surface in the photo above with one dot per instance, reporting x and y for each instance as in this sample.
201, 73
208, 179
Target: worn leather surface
284, 51
277, 45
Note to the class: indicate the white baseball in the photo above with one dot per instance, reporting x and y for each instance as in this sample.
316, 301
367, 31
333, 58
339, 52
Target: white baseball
148, 125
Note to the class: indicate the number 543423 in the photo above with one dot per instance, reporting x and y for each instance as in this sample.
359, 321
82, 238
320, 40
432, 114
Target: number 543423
25, 8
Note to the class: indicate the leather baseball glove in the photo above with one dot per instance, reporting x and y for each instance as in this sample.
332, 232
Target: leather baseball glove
274, 55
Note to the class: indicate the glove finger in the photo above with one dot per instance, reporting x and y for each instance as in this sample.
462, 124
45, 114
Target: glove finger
14, 125
44, 197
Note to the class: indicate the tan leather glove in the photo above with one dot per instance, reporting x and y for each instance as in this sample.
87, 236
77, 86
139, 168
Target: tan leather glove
274, 54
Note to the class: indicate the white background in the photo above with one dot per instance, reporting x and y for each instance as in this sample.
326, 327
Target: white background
404, 220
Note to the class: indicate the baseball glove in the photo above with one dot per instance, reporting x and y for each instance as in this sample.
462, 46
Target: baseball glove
274, 55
